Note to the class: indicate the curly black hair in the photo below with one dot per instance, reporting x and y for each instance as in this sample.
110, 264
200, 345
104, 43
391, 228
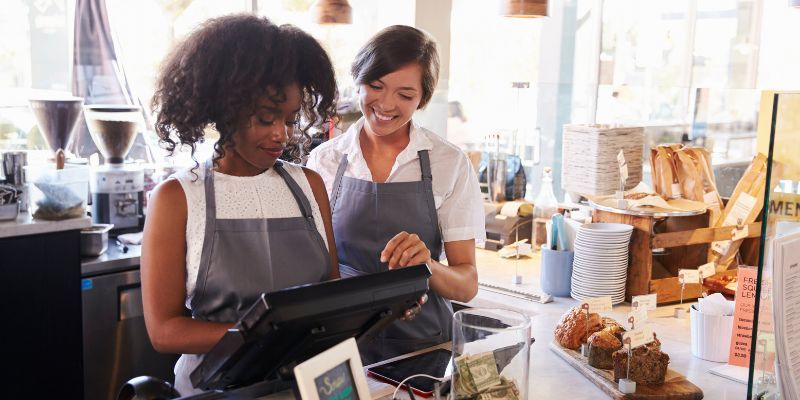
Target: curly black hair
215, 76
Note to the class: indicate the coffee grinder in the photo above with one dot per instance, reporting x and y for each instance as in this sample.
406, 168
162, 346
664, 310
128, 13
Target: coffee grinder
117, 188
56, 116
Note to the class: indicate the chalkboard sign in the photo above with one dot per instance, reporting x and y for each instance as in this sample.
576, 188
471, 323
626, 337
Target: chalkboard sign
335, 374
337, 384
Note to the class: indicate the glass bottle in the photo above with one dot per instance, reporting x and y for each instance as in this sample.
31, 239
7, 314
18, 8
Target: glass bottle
545, 204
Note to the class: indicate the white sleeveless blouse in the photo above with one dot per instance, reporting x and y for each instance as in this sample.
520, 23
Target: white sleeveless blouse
262, 196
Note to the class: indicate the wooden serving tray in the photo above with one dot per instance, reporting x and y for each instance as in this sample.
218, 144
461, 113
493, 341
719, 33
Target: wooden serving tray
675, 387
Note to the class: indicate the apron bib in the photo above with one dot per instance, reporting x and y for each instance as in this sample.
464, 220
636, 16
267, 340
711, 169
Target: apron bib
366, 215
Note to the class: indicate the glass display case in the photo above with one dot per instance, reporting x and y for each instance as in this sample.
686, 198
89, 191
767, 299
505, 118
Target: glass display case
775, 361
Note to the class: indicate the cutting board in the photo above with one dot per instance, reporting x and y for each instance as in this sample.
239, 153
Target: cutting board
675, 387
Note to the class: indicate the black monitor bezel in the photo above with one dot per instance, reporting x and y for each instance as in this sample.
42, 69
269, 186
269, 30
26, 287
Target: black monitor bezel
368, 302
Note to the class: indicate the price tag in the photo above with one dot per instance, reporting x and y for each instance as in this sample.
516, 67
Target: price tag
621, 158
688, 276
645, 301
721, 247
707, 270
599, 304
740, 233
640, 336
636, 318
524, 249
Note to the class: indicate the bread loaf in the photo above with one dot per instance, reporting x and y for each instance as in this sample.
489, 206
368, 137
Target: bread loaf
571, 330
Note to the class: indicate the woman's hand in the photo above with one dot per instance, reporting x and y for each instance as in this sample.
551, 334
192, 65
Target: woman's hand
405, 249
412, 312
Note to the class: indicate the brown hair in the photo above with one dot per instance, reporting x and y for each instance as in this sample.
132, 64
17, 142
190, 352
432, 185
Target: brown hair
216, 75
393, 48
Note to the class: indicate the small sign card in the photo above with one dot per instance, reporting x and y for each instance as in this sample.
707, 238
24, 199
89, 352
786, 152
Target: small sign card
599, 304
524, 249
645, 301
636, 318
688, 276
640, 336
707, 270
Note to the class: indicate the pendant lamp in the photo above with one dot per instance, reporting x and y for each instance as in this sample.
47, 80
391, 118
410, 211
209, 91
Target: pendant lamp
331, 12
526, 8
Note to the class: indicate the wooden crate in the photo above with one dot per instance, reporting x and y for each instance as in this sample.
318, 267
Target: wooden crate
686, 239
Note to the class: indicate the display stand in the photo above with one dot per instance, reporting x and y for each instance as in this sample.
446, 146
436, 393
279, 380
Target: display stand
773, 355
663, 243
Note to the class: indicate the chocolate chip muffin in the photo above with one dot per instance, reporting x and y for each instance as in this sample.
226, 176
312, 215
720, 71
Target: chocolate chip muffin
602, 346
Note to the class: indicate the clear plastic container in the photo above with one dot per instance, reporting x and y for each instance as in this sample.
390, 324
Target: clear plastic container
491, 354
57, 194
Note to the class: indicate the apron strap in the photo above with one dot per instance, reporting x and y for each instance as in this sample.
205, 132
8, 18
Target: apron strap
427, 182
425, 165
208, 237
337, 183
211, 201
299, 196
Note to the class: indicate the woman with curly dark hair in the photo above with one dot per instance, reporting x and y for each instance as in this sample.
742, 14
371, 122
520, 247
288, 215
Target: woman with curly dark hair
221, 233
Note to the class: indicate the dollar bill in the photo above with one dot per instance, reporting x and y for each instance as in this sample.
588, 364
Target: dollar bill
483, 369
463, 385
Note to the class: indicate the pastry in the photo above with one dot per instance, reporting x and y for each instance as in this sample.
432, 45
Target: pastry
571, 330
602, 346
648, 364
613, 326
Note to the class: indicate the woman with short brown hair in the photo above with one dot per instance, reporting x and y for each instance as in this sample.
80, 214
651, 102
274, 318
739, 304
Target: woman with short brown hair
400, 194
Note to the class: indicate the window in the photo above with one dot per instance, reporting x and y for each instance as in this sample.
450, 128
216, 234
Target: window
493, 75
34, 55
682, 68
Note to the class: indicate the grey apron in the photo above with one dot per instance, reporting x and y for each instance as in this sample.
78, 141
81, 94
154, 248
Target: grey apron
242, 258
366, 215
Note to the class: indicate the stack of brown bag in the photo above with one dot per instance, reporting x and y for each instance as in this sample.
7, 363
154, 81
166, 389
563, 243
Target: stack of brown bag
742, 209
685, 172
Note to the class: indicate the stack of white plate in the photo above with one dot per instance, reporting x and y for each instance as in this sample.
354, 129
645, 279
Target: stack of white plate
600, 267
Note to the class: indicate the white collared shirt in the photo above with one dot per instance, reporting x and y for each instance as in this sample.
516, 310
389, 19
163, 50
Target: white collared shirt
456, 193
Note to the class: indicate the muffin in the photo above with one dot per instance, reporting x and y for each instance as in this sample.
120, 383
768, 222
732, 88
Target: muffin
609, 324
648, 364
602, 346
571, 329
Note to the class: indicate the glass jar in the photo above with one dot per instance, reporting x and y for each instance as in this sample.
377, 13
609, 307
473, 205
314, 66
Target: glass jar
491, 354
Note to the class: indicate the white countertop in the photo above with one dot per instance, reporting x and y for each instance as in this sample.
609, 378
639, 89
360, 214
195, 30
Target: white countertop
552, 377
26, 225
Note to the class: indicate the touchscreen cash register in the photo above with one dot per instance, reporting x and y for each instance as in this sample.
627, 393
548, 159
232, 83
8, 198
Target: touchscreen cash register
286, 327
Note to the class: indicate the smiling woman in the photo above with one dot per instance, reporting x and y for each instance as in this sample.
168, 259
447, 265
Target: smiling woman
208, 241
400, 194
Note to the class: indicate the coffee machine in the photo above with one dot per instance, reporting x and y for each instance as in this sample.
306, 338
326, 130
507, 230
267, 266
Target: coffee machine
117, 188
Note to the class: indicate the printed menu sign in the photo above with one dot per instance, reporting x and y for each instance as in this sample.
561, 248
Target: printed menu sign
743, 314
336, 383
